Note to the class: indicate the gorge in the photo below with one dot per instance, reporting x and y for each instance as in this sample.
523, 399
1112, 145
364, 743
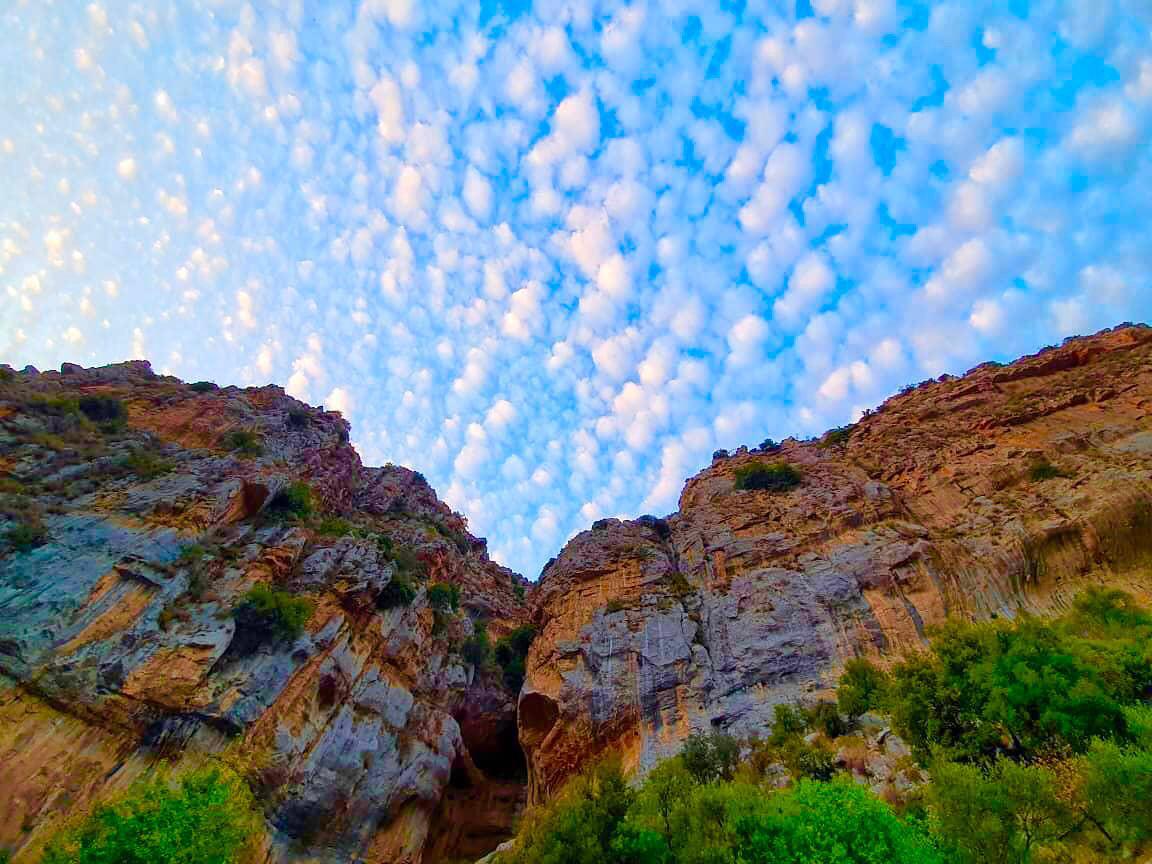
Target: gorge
141, 511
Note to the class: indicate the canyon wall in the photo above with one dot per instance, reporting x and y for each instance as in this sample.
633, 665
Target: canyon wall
119, 650
1003, 491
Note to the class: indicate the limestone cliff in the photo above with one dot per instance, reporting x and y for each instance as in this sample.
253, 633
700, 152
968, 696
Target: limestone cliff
130, 541
1007, 489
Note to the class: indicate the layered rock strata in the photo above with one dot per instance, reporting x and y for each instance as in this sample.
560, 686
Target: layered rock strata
1003, 491
119, 650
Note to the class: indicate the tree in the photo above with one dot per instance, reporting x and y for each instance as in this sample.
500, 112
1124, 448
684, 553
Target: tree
998, 815
1115, 790
210, 817
861, 688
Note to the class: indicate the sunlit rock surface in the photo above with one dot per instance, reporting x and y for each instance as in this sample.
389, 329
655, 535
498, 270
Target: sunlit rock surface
937, 503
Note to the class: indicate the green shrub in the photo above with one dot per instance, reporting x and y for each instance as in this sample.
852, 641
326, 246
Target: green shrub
202, 386
244, 441
444, 597
268, 616
834, 437
335, 526
615, 605
191, 553
825, 717
146, 465
299, 418
109, 413
1044, 470
477, 648
1116, 789
806, 760
26, 536
789, 721
710, 757
861, 688
398, 592
773, 477
408, 563
293, 501
54, 406
209, 818
519, 591
511, 654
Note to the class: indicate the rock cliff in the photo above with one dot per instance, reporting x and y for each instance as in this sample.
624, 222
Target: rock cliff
138, 511
1003, 491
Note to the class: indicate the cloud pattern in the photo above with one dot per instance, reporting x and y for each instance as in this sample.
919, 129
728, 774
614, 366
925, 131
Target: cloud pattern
552, 254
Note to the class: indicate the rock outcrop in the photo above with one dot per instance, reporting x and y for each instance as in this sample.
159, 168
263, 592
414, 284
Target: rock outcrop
1006, 490
131, 539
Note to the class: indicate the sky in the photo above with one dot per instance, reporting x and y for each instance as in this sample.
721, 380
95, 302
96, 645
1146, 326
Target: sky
553, 254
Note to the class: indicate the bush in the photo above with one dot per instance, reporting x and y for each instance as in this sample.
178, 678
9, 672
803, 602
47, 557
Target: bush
292, 501
146, 465
398, 592
861, 688
615, 605
477, 648
834, 437
104, 410
299, 418
511, 654
807, 760
268, 616
209, 818
407, 562
26, 536
773, 477
1045, 470
825, 717
710, 757
202, 386
1116, 789
191, 553
789, 721
335, 526
518, 590
444, 597
243, 441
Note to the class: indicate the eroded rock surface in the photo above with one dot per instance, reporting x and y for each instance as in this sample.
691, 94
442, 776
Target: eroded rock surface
1005, 490
118, 645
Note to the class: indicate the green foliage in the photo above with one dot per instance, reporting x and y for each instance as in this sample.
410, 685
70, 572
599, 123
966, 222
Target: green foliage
54, 406
788, 722
770, 476
408, 564
615, 605
191, 553
210, 817
1001, 814
246, 442
519, 591
710, 757
266, 615
299, 418
838, 435
293, 501
674, 819
334, 526
807, 760
444, 596
398, 592
26, 536
202, 386
1024, 687
511, 654
826, 717
477, 648
1044, 470
861, 688
109, 413
146, 465
1116, 790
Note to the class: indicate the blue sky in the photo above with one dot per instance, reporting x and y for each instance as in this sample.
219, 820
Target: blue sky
553, 254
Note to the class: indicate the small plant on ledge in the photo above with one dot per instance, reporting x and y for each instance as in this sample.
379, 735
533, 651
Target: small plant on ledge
768, 476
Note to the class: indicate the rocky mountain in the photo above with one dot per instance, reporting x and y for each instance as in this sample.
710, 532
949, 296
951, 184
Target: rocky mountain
1003, 491
189, 571
139, 511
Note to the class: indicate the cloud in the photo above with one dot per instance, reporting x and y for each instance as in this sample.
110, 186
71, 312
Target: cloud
554, 259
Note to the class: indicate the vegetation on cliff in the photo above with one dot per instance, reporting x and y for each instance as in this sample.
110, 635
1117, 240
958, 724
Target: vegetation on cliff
208, 817
1037, 737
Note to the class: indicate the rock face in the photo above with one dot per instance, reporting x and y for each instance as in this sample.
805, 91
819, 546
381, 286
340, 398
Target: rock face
1008, 489
129, 545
